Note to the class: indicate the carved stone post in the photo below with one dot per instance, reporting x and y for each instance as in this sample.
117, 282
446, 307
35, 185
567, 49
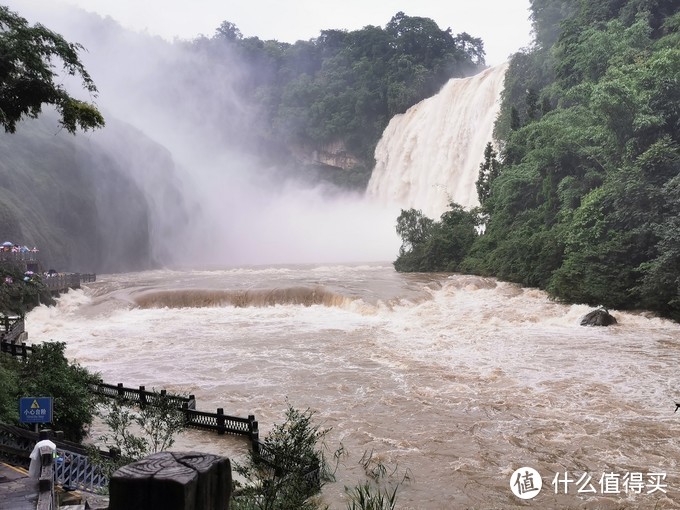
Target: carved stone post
172, 481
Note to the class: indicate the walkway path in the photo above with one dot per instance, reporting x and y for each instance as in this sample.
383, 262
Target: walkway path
17, 490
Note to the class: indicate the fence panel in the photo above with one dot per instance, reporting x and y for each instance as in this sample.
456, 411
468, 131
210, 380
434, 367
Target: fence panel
77, 471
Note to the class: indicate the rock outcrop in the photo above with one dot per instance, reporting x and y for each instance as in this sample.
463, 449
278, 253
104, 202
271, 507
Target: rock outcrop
599, 317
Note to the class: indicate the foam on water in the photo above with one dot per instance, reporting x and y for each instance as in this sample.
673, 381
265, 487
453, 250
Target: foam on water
461, 379
430, 155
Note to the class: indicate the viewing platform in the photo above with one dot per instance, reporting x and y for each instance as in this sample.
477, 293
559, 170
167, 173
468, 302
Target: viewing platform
21, 260
27, 262
62, 282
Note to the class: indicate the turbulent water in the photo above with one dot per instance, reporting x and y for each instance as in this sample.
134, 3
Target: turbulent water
430, 155
457, 380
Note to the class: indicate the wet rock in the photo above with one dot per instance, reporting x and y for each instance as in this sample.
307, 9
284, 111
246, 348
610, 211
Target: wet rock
599, 317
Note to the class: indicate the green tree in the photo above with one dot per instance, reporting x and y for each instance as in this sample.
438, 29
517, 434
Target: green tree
660, 276
9, 389
47, 373
586, 205
290, 469
28, 80
413, 227
429, 245
137, 432
488, 171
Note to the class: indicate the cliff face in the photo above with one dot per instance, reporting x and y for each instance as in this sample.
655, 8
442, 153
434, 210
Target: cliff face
333, 154
75, 199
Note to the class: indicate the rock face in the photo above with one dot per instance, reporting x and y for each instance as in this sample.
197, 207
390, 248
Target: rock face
599, 317
333, 154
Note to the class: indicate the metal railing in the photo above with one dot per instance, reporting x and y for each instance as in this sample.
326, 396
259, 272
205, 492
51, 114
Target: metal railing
217, 421
72, 467
11, 327
18, 256
76, 470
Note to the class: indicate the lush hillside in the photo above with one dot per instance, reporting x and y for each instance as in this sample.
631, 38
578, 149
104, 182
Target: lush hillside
310, 111
333, 95
584, 199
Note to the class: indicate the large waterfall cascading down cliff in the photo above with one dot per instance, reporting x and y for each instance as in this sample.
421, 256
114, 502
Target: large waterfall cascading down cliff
203, 199
430, 155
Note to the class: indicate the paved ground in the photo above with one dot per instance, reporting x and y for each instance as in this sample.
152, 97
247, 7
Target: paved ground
17, 490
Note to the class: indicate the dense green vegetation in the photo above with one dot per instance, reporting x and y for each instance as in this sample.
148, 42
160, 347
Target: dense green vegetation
79, 199
584, 199
27, 58
341, 87
291, 470
47, 373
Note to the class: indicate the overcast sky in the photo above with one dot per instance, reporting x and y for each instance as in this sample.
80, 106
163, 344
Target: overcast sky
502, 24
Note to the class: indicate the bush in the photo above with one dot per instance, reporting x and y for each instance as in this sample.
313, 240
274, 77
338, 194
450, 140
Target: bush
136, 432
290, 469
47, 373
379, 491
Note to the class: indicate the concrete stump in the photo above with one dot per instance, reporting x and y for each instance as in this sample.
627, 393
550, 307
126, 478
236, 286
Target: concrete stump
172, 481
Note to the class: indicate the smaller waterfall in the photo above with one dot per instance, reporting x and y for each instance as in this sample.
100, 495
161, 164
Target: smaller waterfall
430, 155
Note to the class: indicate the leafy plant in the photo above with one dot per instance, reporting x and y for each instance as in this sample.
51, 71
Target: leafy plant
379, 491
28, 81
9, 388
290, 469
135, 432
47, 373
139, 431
20, 293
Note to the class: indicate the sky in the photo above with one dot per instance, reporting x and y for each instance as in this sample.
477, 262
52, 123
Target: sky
503, 25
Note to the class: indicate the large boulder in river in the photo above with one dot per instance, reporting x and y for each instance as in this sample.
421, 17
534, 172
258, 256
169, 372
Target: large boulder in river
599, 317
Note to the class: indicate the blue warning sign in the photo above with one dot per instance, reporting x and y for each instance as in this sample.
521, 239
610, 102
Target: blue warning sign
35, 409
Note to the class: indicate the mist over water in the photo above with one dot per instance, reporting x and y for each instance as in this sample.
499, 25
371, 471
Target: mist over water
211, 204
459, 379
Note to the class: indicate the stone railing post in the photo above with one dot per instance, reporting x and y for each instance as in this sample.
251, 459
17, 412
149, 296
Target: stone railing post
172, 481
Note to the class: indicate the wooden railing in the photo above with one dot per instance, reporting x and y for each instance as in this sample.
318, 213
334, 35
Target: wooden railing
217, 421
141, 396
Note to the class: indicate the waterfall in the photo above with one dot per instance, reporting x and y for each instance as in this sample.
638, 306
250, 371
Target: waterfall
430, 155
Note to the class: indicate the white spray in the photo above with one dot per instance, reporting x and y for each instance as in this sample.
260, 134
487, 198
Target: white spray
430, 155
234, 216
